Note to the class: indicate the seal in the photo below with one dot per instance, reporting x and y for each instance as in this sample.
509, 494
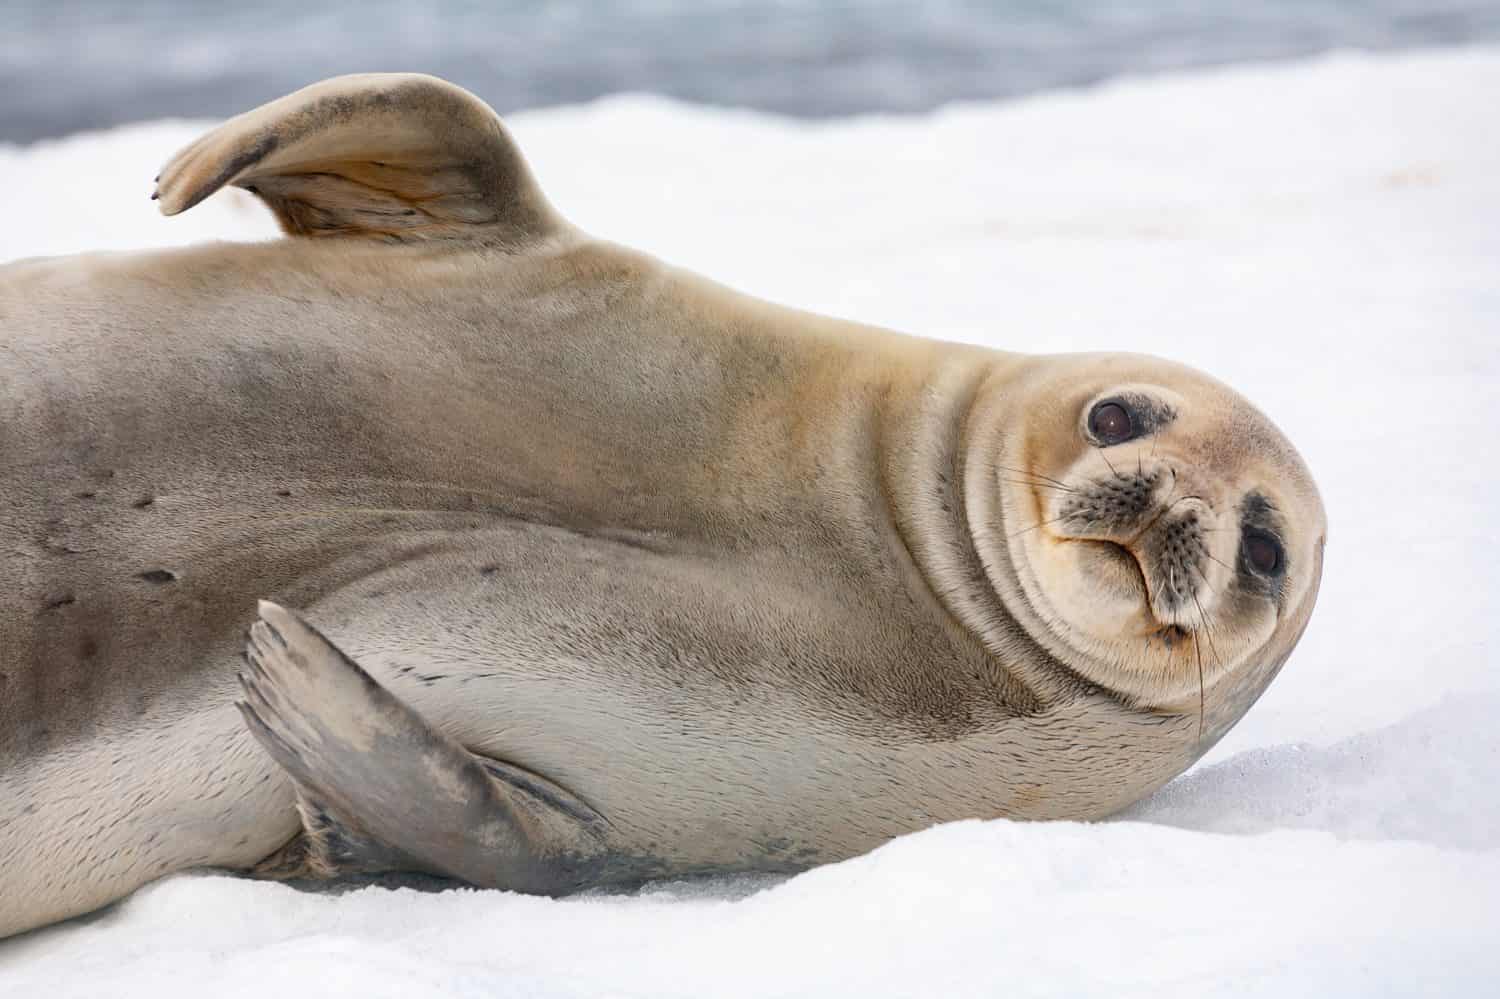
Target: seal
602, 571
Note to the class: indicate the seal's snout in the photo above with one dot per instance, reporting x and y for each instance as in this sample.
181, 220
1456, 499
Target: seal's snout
1118, 506
1160, 521
1178, 565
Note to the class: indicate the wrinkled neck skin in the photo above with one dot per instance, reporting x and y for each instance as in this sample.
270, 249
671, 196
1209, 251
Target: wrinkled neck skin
934, 472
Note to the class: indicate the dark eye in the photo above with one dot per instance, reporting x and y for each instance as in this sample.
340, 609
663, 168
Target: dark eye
1263, 552
1111, 423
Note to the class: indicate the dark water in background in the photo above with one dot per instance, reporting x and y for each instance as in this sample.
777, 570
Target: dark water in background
66, 66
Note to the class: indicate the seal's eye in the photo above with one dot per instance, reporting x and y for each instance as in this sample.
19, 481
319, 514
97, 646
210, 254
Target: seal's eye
1111, 423
1263, 552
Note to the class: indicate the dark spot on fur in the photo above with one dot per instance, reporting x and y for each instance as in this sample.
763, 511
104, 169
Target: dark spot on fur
489, 570
86, 494
157, 577
143, 502
1171, 635
88, 647
249, 157
431, 678
60, 600
283, 492
1256, 507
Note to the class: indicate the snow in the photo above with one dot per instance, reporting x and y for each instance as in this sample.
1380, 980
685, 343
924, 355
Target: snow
1325, 236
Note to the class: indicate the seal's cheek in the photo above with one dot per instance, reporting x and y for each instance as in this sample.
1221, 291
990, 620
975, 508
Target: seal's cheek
1090, 587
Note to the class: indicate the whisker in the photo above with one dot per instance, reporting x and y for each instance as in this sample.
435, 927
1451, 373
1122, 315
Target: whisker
1208, 631
1033, 527
1198, 653
1168, 502
1210, 556
1038, 475
1204, 576
1198, 649
1161, 587
1107, 464
1039, 485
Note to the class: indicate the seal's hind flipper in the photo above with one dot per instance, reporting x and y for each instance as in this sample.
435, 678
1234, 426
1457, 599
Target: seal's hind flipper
378, 786
330, 845
398, 157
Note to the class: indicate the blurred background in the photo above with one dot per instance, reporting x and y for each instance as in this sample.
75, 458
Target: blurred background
70, 65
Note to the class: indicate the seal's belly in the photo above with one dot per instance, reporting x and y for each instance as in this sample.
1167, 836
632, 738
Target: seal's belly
702, 703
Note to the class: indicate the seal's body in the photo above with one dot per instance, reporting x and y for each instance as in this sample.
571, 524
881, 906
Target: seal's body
614, 572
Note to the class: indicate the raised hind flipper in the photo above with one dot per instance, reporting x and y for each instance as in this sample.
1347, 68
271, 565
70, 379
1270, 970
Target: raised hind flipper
398, 157
380, 789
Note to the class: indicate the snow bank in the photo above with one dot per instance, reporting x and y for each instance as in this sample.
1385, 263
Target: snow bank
1325, 237
969, 909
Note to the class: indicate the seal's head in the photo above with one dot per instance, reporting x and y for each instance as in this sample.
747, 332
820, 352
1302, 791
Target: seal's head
1161, 536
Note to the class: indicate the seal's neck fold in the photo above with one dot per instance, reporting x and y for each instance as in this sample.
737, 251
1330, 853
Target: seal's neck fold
933, 445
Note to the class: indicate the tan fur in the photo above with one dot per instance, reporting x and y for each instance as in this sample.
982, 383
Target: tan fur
746, 580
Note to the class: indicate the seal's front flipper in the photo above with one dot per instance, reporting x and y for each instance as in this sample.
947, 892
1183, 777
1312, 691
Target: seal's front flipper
379, 788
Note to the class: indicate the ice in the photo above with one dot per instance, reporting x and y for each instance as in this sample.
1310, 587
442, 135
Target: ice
1324, 236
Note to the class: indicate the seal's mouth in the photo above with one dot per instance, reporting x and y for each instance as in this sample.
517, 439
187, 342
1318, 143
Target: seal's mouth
1118, 556
1120, 562
1111, 566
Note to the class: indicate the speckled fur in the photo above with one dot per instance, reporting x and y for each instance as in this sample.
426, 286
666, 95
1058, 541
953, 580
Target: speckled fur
746, 580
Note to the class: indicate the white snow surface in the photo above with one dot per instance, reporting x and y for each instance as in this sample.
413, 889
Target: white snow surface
1324, 236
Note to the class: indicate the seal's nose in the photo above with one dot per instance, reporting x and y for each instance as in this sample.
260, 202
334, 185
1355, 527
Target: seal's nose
1180, 570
